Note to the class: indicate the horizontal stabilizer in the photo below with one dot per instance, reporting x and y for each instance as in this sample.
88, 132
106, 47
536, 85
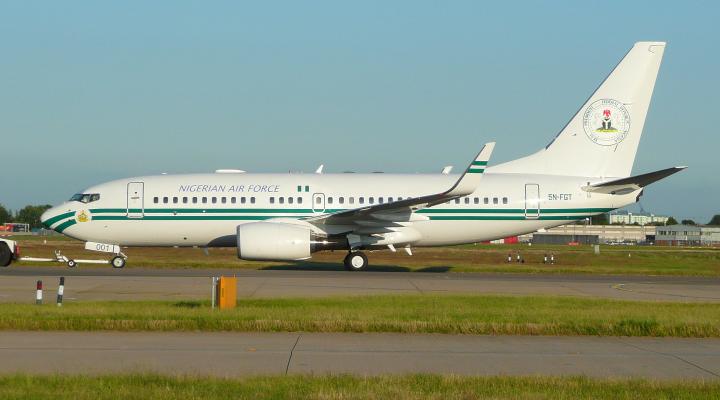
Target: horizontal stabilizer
633, 183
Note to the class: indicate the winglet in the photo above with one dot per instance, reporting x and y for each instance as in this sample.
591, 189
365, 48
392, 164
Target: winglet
470, 179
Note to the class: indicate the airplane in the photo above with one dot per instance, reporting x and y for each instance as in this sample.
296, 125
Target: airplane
584, 171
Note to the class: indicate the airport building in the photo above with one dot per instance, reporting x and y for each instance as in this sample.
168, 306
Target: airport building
594, 234
688, 235
629, 218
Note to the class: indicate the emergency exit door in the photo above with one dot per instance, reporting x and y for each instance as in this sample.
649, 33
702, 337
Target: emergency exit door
532, 201
318, 202
135, 200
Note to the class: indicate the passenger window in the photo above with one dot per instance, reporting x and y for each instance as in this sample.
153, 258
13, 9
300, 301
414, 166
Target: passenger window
252, 200
371, 200
299, 200
390, 200
351, 200
307, 188
380, 200
505, 200
341, 200
165, 200
233, 200
194, 200
204, 200
467, 200
457, 201
290, 200
486, 201
361, 200
185, 200
281, 200
476, 200
214, 200
318, 200
495, 200
330, 200
399, 198
175, 200
156, 200
242, 200
272, 200
223, 199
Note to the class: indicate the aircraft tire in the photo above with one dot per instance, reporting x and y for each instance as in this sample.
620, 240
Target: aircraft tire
117, 262
5, 255
356, 261
71, 264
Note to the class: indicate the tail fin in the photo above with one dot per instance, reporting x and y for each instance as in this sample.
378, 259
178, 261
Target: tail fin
601, 140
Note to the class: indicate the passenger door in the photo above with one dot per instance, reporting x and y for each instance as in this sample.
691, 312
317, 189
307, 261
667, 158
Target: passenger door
532, 201
135, 200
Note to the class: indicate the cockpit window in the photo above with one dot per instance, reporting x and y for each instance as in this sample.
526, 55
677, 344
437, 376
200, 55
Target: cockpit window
85, 197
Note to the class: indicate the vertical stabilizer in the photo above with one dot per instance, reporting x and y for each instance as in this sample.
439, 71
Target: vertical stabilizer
601, 140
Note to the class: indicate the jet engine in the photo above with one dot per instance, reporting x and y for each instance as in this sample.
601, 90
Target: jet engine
279, 241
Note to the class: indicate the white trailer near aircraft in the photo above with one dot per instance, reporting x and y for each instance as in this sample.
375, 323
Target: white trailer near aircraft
10, 252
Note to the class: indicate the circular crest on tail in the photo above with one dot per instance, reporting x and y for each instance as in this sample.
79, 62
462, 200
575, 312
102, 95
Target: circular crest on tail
606, 122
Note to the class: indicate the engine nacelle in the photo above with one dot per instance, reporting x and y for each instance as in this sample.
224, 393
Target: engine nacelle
270, 241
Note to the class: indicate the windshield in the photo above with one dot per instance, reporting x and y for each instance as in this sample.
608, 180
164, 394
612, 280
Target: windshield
85, 197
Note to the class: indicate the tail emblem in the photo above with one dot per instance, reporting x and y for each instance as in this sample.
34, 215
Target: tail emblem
606, 122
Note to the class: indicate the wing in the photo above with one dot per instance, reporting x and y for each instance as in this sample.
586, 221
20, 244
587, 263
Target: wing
402, 210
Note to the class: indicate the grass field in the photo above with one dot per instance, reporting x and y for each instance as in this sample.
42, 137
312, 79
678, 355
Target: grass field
346, 387
458, 314
635, 260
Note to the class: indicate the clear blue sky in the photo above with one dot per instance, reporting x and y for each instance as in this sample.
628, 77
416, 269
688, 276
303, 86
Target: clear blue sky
93, 91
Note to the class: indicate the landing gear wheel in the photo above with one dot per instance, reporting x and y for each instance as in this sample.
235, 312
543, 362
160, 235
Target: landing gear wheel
117, 262
71, 264
356, 261
5, 255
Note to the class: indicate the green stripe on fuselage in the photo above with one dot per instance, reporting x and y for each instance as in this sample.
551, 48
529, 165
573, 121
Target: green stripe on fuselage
60, 228
50, 221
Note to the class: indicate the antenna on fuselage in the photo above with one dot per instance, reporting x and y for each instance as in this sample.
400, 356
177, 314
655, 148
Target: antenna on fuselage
447, 170
319, 169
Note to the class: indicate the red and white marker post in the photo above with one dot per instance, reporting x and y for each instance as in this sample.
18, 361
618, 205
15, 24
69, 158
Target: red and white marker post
61, 289
38, 293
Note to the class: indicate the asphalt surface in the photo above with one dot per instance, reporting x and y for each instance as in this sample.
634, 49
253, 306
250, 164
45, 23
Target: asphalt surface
17, 284
238, 354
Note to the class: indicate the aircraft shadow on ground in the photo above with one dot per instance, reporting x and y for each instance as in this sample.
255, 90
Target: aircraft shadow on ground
321, 266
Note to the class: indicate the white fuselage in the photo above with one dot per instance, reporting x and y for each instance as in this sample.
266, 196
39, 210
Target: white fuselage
205, 209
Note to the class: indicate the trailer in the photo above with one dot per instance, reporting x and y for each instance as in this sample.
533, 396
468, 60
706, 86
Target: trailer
10, 252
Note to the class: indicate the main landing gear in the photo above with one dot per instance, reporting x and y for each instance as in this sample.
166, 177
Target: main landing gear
356, 261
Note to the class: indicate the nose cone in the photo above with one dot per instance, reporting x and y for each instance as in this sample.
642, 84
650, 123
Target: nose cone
52, 216
45, 217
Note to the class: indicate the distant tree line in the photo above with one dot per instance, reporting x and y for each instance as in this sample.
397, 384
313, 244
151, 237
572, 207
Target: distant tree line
27, 215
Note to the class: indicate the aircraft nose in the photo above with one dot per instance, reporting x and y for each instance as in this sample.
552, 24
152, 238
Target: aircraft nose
47, 216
